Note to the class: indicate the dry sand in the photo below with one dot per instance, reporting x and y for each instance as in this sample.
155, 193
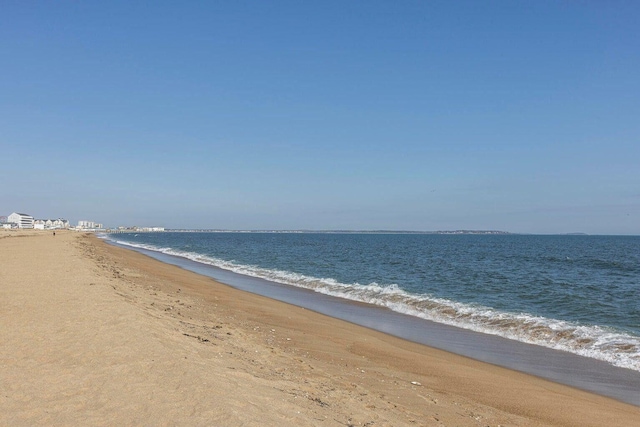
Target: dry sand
92, 334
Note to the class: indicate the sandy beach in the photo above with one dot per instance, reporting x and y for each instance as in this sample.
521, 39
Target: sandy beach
92, 334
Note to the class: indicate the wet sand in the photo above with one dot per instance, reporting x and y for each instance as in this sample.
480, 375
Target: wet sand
558, 366
92, 334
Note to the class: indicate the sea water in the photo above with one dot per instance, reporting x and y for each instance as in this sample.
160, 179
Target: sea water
579, 294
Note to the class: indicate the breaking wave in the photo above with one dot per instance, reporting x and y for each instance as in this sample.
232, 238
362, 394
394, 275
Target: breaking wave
604, 343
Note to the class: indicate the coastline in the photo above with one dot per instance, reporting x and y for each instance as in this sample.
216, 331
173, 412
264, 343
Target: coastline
586, 373
106, 335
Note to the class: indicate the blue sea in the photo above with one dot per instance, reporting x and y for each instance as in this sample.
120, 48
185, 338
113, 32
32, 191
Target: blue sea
579, 294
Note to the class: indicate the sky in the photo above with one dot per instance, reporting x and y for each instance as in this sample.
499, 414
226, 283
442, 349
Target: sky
359, 115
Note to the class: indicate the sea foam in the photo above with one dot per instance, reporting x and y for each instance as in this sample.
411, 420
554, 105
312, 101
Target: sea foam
613, 346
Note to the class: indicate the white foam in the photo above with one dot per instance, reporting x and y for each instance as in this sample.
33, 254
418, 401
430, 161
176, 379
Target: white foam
618, 348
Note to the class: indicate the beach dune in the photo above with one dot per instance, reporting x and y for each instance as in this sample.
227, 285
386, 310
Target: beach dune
92, 334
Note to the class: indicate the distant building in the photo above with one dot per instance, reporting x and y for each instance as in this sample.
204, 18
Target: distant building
21, 219
150, 229
60, 223
52, 224
8, 225
89, 225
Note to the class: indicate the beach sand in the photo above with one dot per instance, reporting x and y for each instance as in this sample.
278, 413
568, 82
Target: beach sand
92, 334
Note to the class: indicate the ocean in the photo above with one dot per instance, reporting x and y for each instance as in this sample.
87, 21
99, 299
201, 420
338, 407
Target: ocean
578, 294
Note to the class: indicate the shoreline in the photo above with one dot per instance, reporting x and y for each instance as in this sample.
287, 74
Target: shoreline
192, 351
563, 367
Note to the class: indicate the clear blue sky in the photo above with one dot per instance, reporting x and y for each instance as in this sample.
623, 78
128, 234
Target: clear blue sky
406, 115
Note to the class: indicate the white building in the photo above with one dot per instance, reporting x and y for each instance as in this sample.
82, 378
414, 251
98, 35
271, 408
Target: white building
151, 229
89, 225
52, 224
39, 224
23, 220
60, 223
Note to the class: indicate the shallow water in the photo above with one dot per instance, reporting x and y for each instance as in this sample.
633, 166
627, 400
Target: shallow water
579, 294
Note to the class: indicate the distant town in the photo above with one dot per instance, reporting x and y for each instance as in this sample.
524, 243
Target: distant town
19, 220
